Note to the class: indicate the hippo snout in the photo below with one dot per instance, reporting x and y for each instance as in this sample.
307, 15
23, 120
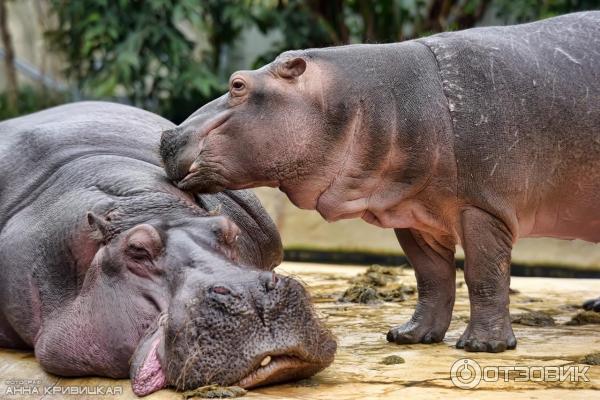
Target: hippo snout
181, 148
173, 147
249, 332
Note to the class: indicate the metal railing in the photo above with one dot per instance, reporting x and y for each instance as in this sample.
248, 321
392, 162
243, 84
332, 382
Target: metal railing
34, 74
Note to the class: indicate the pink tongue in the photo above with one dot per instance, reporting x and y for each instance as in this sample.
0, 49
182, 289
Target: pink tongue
149, 377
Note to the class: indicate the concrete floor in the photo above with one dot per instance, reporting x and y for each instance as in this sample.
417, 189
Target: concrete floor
357, 372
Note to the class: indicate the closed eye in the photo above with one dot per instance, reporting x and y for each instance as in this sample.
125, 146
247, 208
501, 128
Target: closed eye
151, 300
138, 252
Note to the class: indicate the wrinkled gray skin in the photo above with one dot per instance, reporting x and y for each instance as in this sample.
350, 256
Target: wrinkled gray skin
107, 269
472, 138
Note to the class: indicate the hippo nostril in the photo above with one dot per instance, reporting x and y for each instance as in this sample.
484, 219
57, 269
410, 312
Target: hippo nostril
221, 290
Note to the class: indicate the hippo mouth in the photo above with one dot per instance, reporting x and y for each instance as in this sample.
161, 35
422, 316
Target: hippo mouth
270, 370
148, 375
202, 177
180, 147
277, 369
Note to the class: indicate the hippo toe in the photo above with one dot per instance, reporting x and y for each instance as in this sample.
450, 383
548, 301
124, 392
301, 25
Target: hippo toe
592, 305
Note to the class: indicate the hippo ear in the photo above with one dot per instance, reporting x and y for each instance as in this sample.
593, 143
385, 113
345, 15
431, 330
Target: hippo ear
292, 68
226, 230
99, 225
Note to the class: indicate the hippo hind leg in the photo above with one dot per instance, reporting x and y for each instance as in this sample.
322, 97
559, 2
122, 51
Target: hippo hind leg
487, 243
436, 275
592, 305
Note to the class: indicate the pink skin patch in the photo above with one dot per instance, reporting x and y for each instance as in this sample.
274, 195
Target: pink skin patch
149, 377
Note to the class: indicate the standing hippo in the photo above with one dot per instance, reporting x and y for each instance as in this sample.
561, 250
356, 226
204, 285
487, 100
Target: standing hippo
471, 138
107, 269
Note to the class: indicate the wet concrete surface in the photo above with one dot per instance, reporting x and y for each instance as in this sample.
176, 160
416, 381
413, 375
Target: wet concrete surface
359, 371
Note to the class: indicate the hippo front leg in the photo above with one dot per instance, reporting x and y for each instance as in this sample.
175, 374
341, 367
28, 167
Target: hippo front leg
487, 243
435, 273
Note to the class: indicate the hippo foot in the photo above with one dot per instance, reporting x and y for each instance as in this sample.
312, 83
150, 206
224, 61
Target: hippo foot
413, 332
592, 305
487, 340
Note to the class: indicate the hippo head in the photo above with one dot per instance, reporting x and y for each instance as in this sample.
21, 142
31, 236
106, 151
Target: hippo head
274, 128
171, 291
225, 323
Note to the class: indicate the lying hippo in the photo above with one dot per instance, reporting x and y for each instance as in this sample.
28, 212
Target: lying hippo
471, 138
107, 269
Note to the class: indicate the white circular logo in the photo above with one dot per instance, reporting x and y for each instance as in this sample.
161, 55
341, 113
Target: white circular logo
465, 373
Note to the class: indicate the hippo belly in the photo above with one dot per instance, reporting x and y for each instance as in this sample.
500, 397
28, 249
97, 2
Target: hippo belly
575, 219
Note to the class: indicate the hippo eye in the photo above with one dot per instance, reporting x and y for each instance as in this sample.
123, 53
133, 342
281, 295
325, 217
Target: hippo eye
238, 87
138, 252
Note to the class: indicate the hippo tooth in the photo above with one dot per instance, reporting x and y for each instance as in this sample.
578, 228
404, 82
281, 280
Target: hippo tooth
265, 361
193, 168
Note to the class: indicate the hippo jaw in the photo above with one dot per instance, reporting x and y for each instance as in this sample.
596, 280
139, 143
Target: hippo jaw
250, 329
148, 375
177, 143
280, 368
191, 163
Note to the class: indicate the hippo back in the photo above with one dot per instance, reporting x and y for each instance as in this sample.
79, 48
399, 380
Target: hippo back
524, 106
36, 148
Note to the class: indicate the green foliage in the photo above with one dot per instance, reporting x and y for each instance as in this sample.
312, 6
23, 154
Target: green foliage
135, 49
531, 10
171, 56
306, 23
30, 99
299, 26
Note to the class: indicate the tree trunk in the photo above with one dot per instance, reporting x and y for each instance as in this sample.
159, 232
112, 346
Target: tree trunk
332, 11
366, 11
9, 59
41, 20
466, 20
